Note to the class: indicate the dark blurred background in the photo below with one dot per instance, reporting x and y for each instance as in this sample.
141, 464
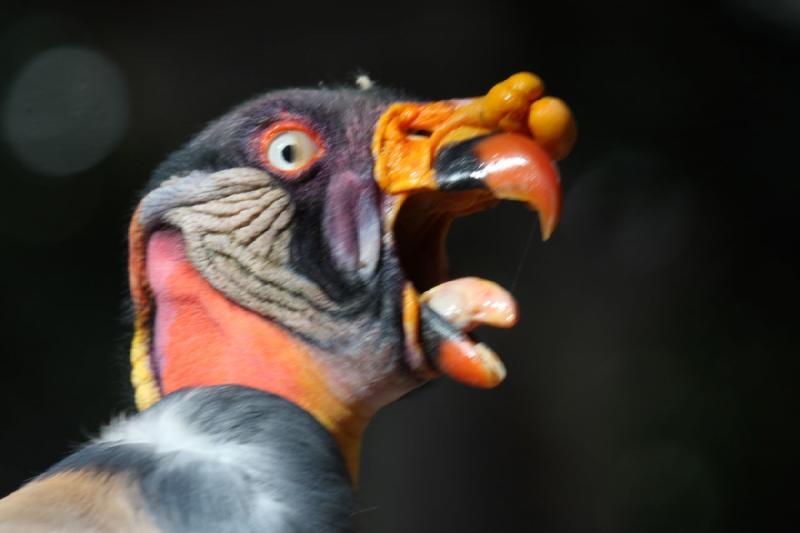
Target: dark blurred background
651, 379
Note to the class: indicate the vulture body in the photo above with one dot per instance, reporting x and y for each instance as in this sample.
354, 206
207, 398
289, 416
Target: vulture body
288, 276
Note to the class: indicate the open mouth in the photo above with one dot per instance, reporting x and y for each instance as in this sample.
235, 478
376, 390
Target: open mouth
421, 229
439, 313
473, 153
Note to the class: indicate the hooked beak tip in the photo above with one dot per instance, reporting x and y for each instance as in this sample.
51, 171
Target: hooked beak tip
511, 166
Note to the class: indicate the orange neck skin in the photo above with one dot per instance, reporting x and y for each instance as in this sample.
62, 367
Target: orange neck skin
200, 338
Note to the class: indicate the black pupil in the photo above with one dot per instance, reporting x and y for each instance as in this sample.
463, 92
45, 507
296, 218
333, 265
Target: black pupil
289, 153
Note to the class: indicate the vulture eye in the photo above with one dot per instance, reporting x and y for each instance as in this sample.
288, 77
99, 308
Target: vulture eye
289, 147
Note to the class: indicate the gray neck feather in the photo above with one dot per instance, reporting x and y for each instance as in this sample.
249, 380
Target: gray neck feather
227, 458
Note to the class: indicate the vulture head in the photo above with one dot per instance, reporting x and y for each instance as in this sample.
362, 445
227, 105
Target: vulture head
296, 245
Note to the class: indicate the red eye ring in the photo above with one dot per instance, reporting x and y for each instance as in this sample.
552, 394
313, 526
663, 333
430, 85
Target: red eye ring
299, 147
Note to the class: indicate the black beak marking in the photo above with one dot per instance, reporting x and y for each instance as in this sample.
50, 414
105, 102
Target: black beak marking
458, 168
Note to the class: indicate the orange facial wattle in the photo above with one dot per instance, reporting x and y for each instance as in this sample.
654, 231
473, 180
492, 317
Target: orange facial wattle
200, 338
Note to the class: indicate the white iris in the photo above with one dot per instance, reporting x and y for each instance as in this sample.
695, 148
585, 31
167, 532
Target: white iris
291, 150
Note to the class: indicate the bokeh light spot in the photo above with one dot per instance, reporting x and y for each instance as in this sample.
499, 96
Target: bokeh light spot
65, 111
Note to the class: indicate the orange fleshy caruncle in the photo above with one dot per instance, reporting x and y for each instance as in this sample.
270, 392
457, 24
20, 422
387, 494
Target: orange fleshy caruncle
409, 134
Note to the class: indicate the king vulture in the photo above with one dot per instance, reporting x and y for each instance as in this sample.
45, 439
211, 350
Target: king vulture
288, 279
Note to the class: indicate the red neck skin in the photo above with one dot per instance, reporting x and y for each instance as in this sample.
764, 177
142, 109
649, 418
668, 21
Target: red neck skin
203, 339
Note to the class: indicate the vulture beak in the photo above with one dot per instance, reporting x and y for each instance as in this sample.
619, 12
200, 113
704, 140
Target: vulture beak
442, 160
